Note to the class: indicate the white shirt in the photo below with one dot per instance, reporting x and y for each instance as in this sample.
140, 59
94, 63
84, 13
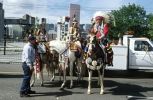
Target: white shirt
28, 54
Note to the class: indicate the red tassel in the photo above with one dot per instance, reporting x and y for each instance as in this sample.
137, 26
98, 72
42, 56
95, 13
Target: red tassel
37, 62
106, 29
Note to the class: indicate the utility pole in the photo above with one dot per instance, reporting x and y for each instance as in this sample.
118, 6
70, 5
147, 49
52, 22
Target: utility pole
5, 41
1, 21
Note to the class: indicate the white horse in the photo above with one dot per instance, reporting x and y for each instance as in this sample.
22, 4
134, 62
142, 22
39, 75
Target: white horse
95, 62
66, 58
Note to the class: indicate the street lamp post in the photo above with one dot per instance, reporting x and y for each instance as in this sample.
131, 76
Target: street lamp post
5, 37
5, 44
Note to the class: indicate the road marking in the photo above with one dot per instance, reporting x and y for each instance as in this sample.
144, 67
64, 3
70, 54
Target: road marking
11, 72
140, 97
45, 73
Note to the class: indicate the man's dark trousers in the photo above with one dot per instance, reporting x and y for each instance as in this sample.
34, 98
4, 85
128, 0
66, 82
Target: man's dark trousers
25, 87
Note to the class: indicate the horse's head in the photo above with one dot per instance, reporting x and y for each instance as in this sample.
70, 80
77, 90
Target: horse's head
92, 45
95, 52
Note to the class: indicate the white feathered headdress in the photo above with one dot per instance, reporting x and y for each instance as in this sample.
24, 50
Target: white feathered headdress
105, 15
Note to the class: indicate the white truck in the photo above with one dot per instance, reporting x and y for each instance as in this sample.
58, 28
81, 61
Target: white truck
135, 53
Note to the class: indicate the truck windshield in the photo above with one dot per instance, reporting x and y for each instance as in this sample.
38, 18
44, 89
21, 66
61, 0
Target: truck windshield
142, 46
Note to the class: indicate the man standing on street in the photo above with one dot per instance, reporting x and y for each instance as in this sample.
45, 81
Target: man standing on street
28, 58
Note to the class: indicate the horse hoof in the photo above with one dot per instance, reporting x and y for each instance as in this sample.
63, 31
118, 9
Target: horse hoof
52, 80
88, 92
61, 88
42, 85
102, 92
31, 85
71, 87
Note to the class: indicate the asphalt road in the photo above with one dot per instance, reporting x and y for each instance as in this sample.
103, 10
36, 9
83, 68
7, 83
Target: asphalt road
135, 85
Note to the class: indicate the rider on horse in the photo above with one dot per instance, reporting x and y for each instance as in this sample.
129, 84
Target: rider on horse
74, 30
100, 29
74, 34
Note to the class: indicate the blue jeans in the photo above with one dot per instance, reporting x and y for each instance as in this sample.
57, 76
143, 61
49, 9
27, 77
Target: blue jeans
25, 87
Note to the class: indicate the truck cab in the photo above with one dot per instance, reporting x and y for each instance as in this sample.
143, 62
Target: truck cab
135, 53
140, 53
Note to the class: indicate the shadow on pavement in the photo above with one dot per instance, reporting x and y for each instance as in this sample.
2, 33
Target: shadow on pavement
56, 94
129, 74
127, 89
10, 76
111, 87
77, 84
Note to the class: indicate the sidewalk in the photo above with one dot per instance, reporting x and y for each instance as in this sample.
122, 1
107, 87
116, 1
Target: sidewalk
10, 69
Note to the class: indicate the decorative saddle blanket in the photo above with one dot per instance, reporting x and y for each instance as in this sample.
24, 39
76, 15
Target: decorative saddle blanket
73, 46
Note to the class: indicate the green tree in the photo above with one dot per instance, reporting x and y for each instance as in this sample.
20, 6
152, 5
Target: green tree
150, 25
130, 18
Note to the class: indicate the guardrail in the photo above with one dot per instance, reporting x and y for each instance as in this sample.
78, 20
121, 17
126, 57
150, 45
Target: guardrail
11, 49
13, 52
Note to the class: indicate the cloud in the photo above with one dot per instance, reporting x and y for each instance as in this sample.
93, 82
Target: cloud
40, 8
53, 9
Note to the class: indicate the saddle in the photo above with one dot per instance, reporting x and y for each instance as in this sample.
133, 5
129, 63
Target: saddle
73, 47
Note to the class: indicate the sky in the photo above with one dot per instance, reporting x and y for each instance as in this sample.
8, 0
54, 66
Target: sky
54, 9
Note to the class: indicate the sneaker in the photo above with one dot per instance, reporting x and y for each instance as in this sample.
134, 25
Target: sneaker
31, 92
24, 95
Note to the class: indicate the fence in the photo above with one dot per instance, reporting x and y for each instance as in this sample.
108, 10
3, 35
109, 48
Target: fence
12, 52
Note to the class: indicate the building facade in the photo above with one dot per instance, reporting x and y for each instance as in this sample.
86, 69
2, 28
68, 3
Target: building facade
74, 11
2, 31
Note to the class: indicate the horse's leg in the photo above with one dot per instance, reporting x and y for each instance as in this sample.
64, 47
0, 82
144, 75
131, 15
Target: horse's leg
64, 75
52, 71
83, 72
89, 81
48, 69
79, 68
33, 78
101, 76
41, 74
98, 83
60, 71
53, 74
71, 74
60, 67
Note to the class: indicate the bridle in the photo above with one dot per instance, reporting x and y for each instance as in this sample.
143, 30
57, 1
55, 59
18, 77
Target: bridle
93, 45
